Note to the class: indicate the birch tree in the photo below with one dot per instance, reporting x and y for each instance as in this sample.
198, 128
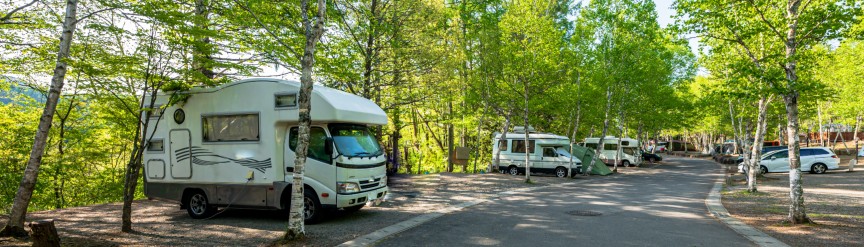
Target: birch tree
15, 226
313, 32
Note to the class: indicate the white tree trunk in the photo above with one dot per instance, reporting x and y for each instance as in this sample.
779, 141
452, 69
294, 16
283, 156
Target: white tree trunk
527, 150
756, 152
797, 211
857, 129
735, 130
504, 138
296, 228
15, 225
597, 152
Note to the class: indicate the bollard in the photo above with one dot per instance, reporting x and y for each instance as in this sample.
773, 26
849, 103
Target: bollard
852, 164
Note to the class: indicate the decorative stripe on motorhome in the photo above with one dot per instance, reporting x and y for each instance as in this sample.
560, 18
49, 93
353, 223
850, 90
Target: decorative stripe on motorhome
196, 153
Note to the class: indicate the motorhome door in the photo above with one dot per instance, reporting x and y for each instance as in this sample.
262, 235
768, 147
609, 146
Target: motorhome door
181, 155
549, 160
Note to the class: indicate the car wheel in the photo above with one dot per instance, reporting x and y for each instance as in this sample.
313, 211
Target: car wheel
763, 170
625, 163
561, 172
352, 209
513, 171
311, 207
819, 168
652, 160
198, 207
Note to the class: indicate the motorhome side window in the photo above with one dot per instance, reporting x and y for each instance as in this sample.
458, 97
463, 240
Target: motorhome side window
591, 145
155, 111
549, 152
230, 128
610, 146
317, 138
519, 146
502, 144
286, 100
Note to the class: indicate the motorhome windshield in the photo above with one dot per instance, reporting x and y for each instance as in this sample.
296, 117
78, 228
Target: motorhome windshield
354, 140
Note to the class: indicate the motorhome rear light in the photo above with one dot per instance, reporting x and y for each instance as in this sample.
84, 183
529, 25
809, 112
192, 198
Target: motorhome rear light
325, 195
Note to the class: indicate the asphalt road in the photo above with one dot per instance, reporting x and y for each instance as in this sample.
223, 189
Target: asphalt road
660, 206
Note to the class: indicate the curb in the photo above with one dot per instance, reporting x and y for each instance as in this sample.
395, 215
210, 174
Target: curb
715, 207
374, 237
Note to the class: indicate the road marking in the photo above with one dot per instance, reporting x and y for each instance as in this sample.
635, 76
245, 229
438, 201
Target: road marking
715, 207
374, 237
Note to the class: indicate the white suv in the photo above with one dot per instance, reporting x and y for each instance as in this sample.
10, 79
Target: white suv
815, 160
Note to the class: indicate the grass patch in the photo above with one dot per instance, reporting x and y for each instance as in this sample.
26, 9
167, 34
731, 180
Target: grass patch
744, 193
846, 216
774, 210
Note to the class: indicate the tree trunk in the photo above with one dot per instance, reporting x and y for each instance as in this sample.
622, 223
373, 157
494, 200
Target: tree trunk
857, 129
202, 60
620, 135
503, 137
573, 135
756, 153
821, 126
527, 150
296, 228
15, 225
797, 211
597, 152
450, 140
45, 234
735, 131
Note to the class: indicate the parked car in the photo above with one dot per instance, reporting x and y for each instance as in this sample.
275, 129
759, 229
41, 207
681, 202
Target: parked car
653, 158
660, 147
816, 160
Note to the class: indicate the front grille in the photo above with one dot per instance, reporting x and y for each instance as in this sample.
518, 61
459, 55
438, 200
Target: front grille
366, 184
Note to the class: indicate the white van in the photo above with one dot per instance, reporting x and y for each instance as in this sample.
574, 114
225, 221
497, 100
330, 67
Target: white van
629, 155
548, 153
233, 145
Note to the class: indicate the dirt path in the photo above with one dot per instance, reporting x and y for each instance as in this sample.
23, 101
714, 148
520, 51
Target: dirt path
164, 223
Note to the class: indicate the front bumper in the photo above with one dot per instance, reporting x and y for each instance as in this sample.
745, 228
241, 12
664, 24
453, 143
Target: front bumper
375, 196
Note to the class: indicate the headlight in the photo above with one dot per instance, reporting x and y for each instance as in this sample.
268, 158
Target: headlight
348, 187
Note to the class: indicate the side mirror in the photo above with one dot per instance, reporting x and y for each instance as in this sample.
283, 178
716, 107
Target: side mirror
328, 146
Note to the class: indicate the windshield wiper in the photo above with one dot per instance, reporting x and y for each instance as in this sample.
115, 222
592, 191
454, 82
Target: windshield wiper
358, 154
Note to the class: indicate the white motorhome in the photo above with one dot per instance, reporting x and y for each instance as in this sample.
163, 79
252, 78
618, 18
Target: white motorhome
630, 153
548, 153
233, 146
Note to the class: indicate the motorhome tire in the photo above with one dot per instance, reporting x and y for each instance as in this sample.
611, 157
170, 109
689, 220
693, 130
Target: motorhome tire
311, 207
197, 205
356, 208
625, 163
561, 172
513, 170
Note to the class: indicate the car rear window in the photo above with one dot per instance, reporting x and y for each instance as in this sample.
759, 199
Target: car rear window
806, 152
